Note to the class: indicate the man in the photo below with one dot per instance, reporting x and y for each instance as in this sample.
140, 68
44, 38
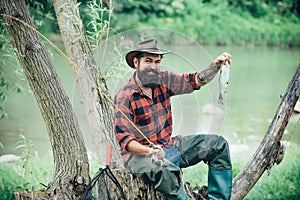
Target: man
143, 126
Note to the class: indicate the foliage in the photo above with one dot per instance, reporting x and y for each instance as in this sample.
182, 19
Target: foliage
43, 15
31, 171
10, 180
117, 68
99, 22
212, 22
287, 174
8, 64
260, 8
258, 23
25, 144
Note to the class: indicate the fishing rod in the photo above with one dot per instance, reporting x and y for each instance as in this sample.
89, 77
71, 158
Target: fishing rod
76, 67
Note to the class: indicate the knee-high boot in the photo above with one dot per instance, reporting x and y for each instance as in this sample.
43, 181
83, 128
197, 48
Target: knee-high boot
219, 184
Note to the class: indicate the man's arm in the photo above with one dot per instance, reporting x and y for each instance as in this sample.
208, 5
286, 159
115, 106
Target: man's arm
135, 147
209, 72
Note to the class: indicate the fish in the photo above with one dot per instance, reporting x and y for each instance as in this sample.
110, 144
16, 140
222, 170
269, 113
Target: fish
223, 81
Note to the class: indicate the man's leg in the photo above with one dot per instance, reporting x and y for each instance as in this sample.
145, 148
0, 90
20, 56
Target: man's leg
219, 184
214, 151
165, 177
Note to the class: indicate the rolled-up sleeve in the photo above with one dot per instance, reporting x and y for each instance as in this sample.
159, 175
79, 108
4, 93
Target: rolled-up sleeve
180, 83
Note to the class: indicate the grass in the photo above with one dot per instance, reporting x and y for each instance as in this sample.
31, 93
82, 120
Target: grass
283, 182
34, 173
10, 181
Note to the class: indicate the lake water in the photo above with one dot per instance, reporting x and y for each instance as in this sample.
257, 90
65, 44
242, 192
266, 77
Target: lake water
258, 77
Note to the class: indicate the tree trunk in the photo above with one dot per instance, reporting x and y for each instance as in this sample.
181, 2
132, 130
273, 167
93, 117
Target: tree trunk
70, 157
133, 187
91, 84
269, 151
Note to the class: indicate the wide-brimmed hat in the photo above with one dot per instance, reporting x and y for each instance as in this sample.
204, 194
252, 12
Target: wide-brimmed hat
146, 46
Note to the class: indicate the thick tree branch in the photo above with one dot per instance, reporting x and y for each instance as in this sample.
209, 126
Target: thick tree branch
91, 87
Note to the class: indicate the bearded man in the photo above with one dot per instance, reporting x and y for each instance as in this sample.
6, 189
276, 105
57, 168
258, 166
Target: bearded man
143, 126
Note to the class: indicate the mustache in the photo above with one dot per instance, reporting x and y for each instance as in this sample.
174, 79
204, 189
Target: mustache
150, 70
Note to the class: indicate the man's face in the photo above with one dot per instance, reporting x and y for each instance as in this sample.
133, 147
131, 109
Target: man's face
148, 67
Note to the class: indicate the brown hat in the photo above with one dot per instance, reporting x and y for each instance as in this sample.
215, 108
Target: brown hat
146, 46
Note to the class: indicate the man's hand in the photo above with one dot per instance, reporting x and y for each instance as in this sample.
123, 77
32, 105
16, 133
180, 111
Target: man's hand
209, 72
154, 152
222, 58
158, 151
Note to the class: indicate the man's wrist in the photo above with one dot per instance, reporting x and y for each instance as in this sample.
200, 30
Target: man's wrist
216, 65
150, 153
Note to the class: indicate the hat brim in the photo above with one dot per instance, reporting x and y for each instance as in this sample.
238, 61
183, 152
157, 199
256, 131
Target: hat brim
130, 55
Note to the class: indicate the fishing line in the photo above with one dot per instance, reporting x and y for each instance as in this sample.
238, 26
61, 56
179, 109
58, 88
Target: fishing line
76, 67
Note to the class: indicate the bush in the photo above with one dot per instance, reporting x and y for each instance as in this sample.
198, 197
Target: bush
217, 23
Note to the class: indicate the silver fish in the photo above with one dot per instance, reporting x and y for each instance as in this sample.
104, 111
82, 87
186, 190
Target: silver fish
223, 81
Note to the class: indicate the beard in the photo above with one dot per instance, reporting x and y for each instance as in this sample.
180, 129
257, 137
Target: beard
148, 77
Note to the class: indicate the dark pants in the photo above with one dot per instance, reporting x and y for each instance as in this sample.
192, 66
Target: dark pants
211, 149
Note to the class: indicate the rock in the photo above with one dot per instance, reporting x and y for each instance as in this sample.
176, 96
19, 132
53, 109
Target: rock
9, 158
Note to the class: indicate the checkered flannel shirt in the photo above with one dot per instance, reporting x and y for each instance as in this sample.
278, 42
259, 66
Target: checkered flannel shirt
151, 116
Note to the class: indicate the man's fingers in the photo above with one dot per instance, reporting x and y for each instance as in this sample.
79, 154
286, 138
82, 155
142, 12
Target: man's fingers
225, 57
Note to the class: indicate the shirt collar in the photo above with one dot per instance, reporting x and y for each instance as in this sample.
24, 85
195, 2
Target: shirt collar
135, 88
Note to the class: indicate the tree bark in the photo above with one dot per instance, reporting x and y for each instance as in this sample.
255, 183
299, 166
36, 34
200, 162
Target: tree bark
268, 151
90, 82
133, 187
71, 172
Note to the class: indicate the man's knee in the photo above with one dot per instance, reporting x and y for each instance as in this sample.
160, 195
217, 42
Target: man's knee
223, 143
220, 156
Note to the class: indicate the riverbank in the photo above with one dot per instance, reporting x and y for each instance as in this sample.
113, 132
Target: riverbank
217, 23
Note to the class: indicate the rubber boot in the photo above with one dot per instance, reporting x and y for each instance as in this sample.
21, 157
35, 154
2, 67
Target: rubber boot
183, 195
219, 184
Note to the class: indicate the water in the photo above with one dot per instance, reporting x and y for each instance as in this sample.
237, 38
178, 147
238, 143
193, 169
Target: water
258, 77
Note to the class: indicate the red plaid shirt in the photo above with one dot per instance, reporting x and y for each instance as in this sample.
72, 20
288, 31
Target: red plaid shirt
151, 116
